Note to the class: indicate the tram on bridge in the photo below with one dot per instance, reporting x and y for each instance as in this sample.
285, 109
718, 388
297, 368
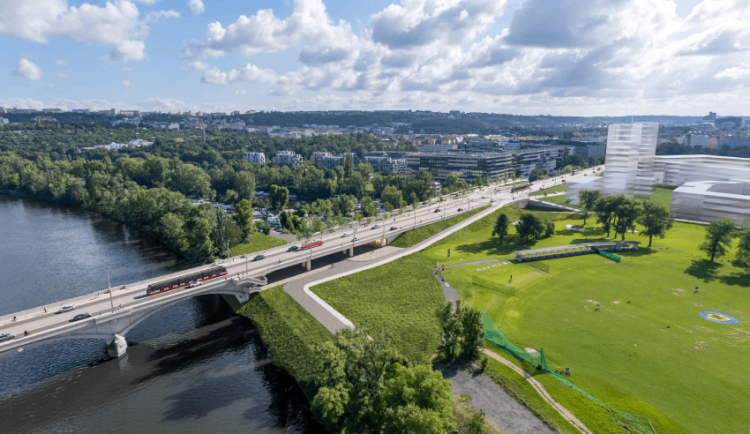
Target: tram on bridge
182, 281
311, 244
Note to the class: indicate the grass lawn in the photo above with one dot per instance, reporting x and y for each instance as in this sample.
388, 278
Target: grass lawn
256, 243
559, 200
399, 298
287, 328
662, 196
685, 378
555, 189
408, 239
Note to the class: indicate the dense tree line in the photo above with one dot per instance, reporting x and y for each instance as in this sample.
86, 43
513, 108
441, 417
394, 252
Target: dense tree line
672, 148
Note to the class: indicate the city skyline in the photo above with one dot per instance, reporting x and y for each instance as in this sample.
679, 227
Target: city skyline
602, 58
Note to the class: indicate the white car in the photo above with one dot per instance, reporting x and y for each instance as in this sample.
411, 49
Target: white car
345, 235
492, 200
194, 284
375, 226
6, 336
67, 308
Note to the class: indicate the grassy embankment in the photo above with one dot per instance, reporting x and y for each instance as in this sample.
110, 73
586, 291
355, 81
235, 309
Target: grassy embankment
623, 354
257, 243
287, 329
408, 239
555, 189
662, 196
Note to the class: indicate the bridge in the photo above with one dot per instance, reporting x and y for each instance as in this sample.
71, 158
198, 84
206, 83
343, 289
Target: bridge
116, 311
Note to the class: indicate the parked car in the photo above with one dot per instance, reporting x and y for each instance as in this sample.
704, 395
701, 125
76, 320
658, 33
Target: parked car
81, 316
195, 284
375, 226
259, 257
6, 336
67, 308
355, 240
393, 228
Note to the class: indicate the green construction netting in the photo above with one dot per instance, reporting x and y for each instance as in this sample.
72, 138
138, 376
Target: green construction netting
494, 335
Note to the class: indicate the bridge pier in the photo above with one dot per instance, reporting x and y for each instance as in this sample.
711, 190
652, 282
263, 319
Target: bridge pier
351, 251
308, 265
117, 347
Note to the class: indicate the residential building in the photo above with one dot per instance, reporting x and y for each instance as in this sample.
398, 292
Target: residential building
316, 156
3, 121
287, 158
329, 161
698, 140
139, 142
734, 141
710, 117
255, 157
51, 110
387, 165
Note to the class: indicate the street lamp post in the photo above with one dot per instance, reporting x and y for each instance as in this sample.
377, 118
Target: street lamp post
109, 287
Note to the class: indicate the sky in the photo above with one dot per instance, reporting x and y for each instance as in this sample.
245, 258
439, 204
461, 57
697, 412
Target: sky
557, 57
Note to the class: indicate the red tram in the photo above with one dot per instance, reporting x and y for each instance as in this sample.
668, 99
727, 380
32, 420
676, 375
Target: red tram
179, 282
311, 244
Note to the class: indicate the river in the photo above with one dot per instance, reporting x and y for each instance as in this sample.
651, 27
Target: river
193, 367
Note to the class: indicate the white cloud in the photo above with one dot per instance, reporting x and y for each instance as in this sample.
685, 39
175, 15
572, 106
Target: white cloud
735, 72
115, 23
240, 92
126, 69
250, 74
196, 6
61, 62
28, 70
64, 75
196, 66
127, 83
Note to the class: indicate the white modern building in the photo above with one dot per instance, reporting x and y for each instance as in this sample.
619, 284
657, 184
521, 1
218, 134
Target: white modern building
287, 158
711, 201
437, 148
678, 169
315, 157
387, 165
255, 157
630, 159
329, 161
3, 121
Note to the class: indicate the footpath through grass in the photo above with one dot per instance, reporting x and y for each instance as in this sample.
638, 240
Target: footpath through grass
408, 239
399, 298
646, 351
256, 243
287, 328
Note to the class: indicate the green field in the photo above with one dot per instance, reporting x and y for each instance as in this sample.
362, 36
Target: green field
399, 298
559, 200
408, 239
662, 196
287, 328
257, 243
685, 378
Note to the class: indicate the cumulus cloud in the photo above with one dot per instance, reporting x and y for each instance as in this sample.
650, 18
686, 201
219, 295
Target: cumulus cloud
196, 6
250, 74
28, 70
61, 62
554, 53
127, 83
115, 23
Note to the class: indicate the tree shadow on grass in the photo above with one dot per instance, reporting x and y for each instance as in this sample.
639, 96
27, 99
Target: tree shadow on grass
740, 278
643, 251
704, 270
493, 247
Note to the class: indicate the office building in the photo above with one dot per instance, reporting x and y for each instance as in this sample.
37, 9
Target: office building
676, 170
387, 165
630, 159
437, 148
483, 146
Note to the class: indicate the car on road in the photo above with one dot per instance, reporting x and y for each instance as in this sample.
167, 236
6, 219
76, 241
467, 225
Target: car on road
195, 284
259, 257
355, 240
6, 336
460, 209
81, 316
437, 210
483, 197
345, 235
393, 228
375, 226
294, 248
67, 308
492, 200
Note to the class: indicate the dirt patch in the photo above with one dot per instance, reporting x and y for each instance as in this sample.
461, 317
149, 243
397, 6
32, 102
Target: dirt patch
593, 302
678, 292
616, 302
574, 228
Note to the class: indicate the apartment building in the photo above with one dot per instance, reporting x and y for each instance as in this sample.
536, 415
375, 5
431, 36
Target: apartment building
255, 157
387, 165
287, 158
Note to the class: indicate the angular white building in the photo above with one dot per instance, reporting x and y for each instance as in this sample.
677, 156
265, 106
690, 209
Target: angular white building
631, 149
711, 201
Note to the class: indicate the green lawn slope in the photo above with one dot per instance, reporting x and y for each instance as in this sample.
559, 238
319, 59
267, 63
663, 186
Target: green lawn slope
256, 243
412, 237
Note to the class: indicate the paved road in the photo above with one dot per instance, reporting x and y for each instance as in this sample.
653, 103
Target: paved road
133, 295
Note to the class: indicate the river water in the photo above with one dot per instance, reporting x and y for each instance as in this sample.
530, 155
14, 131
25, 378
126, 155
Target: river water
193, 367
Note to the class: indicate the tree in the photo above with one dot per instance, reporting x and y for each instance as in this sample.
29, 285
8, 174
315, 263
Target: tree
588, 200
529, 227
279, 198
656, 221
575, 160
536, 174
718, 239
463, 332
501, 227
189, 180
263, 227
626, 214
244, 184
244, 211
743, 248
505, 178
476, 424
414, 200
318, 225
472, 332
348, 166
